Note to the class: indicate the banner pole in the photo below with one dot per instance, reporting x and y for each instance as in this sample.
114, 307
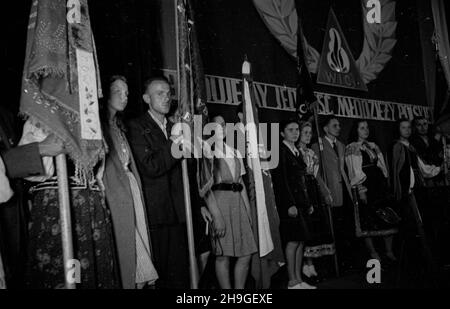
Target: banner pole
324, 177
444, 144
193, 267
64, 213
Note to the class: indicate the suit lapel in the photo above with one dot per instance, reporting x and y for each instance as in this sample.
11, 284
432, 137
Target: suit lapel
150, 123
327, 145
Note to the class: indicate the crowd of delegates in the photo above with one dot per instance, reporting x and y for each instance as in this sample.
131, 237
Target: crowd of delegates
129, 221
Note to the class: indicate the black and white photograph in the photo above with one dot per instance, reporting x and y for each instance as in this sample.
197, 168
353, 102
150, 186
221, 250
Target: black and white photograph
225, 151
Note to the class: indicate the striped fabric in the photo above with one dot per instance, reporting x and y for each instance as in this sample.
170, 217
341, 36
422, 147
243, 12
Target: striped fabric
145, 270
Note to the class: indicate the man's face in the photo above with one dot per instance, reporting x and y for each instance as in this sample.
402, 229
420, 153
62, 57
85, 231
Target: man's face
118, 98
158, 97
333, 128
422, 127
405, 129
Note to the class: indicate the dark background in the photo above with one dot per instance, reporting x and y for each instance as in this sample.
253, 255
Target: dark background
130, 41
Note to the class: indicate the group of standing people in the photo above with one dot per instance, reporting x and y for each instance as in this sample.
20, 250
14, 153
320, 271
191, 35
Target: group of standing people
128, 213
353, 183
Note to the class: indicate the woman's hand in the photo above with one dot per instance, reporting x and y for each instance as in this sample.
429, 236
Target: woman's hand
100, 184
293, 212
219, 225
310, 210
206, 215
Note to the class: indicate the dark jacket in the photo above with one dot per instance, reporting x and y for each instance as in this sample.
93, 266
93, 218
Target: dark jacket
23, 161
430, 154
160, 172
20, 162
289, 182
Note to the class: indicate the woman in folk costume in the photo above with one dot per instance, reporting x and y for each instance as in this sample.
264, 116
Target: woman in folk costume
368, 176
124, 195
319, 195
92, 233
228, 203
408, 173
293, 204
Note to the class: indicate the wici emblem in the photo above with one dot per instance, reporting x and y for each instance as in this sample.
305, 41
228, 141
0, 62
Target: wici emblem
337, 66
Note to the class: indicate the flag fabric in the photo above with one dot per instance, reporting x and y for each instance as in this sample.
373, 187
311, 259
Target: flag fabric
305, 91
191, 86
61, 85
265, 220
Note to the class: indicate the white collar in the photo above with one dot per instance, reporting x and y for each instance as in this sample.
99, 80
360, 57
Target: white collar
406, 143
159, 123
293, 149
332, 141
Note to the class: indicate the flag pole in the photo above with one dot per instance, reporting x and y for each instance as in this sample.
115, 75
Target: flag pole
64, 213
324, 177
444, 145
193, 266
301, 64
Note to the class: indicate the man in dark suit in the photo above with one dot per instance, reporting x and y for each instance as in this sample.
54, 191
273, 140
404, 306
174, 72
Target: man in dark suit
333, 167
151, 141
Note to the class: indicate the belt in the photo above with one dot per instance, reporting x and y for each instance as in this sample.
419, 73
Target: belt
235, 187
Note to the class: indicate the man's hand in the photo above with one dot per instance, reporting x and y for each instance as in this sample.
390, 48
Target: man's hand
178, 139
51, 146
314, 105
328, 199
293, 212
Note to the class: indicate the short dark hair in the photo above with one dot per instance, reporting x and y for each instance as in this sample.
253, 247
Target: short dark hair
151, 80
326, 120
417, 119
287, 122
113, 78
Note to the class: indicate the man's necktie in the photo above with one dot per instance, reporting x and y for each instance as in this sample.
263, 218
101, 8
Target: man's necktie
335, 149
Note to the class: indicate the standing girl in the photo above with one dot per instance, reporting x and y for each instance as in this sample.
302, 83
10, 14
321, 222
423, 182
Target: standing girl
368, 175
321, 243
124, 196
229, 206
293, 203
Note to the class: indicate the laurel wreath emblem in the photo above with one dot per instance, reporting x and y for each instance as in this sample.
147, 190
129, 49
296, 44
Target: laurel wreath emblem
280, 16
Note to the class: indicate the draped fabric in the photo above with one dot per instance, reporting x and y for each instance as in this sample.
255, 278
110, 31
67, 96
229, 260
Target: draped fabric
5, 194
60, 86
261, 195
191, 85
443, 46
441, 33
5, 189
